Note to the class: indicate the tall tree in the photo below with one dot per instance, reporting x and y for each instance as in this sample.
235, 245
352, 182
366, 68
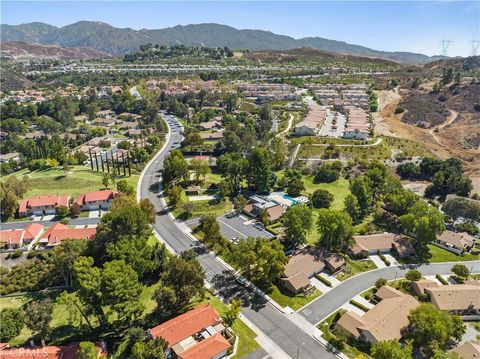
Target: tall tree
432, 329
13, 320
121, 290
232, 166
175, 167
259, 170
231, 315
259, 260
38, 315
391, 349
361, 187
335, 229
298, 222
424, 222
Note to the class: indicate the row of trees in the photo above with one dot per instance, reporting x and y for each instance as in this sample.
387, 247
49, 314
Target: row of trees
446, 176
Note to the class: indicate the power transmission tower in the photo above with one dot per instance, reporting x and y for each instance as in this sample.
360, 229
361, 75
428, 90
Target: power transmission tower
475, 47
445, 46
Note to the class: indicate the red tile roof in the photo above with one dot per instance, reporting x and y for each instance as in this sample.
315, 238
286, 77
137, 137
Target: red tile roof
39, 201
32, 230
207, 348
48, 352
12, 236
103, 195
59, 232
187, 324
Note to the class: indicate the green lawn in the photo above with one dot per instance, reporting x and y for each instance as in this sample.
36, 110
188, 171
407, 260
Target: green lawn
354, 267
247, 343
200, 208
442, 255
339, 189
79, 180
284, 298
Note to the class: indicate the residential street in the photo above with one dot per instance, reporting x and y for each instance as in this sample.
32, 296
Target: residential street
334, 299
286, 337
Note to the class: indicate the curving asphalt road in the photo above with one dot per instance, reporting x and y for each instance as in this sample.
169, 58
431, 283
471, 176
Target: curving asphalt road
328, 303
274, 324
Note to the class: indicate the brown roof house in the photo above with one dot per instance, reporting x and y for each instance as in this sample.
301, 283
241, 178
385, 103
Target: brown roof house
385, 321
334, 262
420, 286
257, 204
456, 242
461, 299
301, 266
380, 242
469, 350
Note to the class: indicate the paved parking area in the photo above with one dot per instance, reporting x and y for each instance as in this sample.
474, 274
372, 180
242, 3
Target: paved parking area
334, 125
238, 226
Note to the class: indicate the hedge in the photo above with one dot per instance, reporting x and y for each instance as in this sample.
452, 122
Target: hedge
358, 305
323, 280
441, 279
385, 260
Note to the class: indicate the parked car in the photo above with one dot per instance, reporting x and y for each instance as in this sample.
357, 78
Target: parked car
241, 280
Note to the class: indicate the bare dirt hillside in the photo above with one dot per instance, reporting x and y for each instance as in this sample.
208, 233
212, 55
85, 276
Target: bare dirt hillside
445, 140
18, 50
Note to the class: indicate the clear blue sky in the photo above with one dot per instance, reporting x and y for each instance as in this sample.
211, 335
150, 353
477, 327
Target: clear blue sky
384, 25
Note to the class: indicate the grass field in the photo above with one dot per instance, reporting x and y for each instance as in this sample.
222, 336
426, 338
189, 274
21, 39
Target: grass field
295, 302
442, 255
79, 180
355, 267
339, 189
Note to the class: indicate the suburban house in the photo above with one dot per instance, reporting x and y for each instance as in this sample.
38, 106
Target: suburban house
469, 350
463, 299
380, 242
257, 204
96, 200
198, 333
212, 136
59, 232
455, 242
9, 157
302, 266
419, 286
214, 124
312, 123
69, 351
41, 205
16, 238
334, 262
385, 321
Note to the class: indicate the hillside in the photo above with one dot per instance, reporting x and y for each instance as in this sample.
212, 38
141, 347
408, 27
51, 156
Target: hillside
307, 54
19, 50
116, 41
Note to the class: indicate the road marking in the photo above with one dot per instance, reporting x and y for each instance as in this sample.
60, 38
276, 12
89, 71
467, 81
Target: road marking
244, 236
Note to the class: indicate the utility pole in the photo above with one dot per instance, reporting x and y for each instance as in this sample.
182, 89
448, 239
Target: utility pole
475, 47
445, 45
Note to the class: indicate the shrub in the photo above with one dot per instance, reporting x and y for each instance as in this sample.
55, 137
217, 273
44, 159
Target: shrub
413, 275
65, 221
399, 110
380, 282
358, 305
323, 280
17, 254
31, 254
441, 279
385, 260
321, 198
327, 173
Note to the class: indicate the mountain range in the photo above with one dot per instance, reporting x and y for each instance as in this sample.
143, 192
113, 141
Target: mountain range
118, 41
